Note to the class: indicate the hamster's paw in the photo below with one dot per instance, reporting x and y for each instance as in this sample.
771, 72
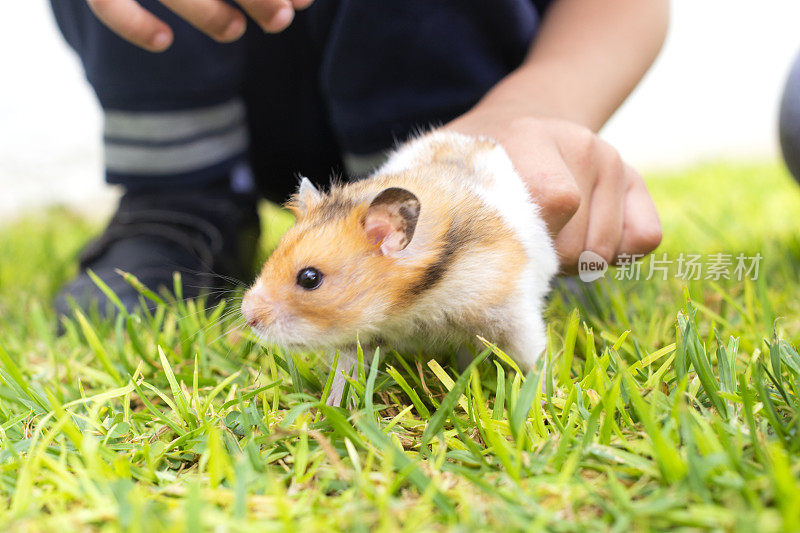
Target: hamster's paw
335, 395
347, 363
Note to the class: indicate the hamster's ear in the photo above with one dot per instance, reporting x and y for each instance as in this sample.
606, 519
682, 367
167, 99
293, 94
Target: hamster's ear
307, 195
391, 219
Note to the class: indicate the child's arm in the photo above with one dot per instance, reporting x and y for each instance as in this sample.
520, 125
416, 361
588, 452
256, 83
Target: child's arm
587, 58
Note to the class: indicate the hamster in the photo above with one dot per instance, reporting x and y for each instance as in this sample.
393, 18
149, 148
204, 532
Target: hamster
441, 244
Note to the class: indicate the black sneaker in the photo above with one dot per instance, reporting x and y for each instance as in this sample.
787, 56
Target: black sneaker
206, 235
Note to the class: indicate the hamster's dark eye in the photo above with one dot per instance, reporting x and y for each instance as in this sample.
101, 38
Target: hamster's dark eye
309, 278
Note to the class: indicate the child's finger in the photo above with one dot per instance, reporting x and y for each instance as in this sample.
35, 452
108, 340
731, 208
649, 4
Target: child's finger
272, 15
215, 18
301, 4
571, 241
641, 230
606, 205
133, 23
553, 187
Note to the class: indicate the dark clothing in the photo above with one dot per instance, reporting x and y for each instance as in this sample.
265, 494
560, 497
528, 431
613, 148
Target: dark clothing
347, 80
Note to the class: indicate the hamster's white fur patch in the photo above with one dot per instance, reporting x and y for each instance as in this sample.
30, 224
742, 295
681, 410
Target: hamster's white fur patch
495, 181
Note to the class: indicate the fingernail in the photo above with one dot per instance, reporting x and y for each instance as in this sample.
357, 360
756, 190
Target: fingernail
234, 30
281, 20
161, 40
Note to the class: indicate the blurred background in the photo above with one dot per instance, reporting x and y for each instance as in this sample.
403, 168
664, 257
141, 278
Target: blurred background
713, 94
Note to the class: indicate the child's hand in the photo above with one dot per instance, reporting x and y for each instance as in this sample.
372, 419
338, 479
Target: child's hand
215, 18
590, 199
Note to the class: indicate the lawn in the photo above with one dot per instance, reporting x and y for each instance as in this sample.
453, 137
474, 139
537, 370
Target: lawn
667, 404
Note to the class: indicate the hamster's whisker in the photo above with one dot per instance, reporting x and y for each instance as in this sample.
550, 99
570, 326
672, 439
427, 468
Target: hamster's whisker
207, 309
207, 289
209, 271
218, 294
222, 318
234, 281
225, 333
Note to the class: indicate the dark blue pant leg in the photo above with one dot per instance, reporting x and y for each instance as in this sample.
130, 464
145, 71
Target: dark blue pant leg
394, 67
171, 119
790, 120
290, 130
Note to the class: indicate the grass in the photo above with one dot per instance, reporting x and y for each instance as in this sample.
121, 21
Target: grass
668, 404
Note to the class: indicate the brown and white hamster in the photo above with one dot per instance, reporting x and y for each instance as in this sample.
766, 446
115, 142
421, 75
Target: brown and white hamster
442, 243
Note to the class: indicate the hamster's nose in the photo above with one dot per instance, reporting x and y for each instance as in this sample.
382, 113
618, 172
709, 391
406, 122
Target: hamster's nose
249, 312
257, 307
